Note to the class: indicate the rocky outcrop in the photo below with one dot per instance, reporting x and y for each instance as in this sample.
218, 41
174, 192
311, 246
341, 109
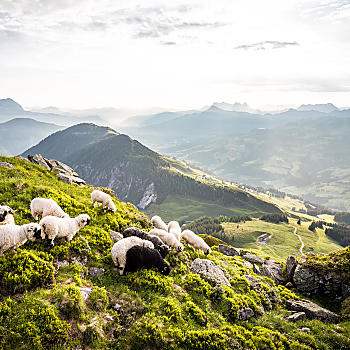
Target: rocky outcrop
252, 258
228, 250
291, 264
6, 165
65, 173
272, 269
309, 282
297, 316
209, 271
312, 310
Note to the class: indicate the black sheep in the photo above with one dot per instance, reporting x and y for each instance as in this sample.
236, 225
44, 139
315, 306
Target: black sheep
157, 242
139, 257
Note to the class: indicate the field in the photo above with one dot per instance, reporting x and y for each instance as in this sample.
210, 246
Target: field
187, 209
283, 237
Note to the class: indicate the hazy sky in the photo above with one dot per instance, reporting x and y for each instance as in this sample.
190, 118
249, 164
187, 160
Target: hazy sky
174, 54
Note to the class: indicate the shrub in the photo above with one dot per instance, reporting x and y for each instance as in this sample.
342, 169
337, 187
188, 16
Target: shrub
98, 299
194, 283
31, 322
69, 301
25, 270
196, 313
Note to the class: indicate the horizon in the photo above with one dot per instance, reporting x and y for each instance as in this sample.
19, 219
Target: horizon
179, 55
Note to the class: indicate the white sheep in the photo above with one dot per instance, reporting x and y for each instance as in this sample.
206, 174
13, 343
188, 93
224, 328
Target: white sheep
157, 222
121, 247
6, 217
53, 227
195, 241
46, 207
168, 238
175, 229
104, 198
13, 236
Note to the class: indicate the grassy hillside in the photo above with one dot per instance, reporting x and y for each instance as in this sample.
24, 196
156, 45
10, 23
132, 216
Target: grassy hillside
103, 157
42, 307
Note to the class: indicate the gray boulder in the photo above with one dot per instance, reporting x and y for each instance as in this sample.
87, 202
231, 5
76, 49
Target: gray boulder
229, 251
209, 271
297, 316
245, 314
96, 271
312, 310
252, 258
272, 269
6, 165
291, 265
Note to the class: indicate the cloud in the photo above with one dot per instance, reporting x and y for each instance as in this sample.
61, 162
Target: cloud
169, 43
265, 45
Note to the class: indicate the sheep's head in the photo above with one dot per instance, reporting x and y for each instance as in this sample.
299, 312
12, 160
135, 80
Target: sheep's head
4, 210
165, 269
207, 251
33, 231
83, 220
164, 250
111, 206
180, 247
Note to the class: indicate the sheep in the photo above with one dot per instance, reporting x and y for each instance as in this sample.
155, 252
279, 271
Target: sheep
139, 257
46, 207
175, 229
53, 227
157, 242
121, 247
195, 241
115, 236
157, 222
6, 217
104, 198
168, 238
13, 236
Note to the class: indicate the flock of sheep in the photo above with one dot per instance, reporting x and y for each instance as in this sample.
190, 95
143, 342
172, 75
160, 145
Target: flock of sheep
133, 250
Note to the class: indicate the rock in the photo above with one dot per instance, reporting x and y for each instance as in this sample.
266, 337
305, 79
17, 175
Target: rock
248, 265
252, 258
253, 282
245, 314
291, 264
115, 236
305, 330
229, 251
39, 160
297, 316
209, 271
272, 269
85, 292
117, 307
256, 269
96, 272
60, 264
6, 165
312, 310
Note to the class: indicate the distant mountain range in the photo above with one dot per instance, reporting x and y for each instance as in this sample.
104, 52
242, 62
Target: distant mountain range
137, 174
18, 134
305, 152
10, 109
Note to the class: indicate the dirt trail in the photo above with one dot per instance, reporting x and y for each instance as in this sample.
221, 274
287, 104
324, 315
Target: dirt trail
300, 239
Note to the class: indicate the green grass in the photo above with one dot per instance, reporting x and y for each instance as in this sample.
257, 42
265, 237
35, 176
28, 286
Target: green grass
245, 236
186, 209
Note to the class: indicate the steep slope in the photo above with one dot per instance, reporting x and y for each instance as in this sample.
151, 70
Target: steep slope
19, 134
103, 157
70, 296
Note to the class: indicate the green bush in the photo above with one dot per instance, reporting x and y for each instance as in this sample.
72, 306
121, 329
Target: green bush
25, 270
98, 299
31, 322
69, 301
196, 313
194, 283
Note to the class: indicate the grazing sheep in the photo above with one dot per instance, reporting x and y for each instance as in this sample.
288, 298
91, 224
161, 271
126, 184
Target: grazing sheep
13, 236
168, 238
195, 241
121, 247
53, 227
104, 198
46, 207
139, 257
157, 222
175, 229
157, 242
6, 217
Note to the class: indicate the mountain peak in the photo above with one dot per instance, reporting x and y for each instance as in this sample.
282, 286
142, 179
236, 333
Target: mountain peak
9, 106
323, 107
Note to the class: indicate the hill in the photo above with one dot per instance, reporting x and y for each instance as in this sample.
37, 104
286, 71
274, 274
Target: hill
106, 158
19, 134
70, 297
